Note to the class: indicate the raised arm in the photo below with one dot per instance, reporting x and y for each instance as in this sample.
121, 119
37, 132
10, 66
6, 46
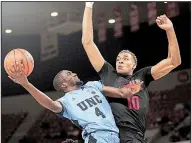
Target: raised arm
91, 49
174, 59
40, 97
124, 92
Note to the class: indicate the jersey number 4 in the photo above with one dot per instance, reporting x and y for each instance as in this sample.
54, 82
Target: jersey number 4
133, 103
99, 113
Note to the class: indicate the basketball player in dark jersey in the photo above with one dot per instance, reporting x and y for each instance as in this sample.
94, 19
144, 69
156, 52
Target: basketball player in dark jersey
130, 113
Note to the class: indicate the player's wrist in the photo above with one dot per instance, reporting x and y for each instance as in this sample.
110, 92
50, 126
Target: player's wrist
26, 84
89, 4
170, 29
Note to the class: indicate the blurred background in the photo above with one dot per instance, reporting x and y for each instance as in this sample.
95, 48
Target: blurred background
51, 32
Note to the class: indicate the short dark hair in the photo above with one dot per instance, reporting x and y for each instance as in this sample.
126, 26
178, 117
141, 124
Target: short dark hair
132, 54
57, 81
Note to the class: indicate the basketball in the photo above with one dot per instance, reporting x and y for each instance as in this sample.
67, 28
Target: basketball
19, 55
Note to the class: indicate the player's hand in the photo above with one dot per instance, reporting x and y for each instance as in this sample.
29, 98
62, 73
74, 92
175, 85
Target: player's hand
133, 87
17, 74
164, 22
136, 86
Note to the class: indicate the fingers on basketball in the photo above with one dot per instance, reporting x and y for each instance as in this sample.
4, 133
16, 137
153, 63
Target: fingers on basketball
22, 66
10, 70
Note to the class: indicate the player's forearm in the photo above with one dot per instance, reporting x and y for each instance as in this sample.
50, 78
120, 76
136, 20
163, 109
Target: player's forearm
87, 33
169, 54
39, 96
117, 92
173, 52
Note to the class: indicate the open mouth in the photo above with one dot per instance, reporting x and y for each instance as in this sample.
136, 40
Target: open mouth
120, 67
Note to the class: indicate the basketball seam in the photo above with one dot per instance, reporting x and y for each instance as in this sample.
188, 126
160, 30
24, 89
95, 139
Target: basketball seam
14, 58
26, 60
32, 62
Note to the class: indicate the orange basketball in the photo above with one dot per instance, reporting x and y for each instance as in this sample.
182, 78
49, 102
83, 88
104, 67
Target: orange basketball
19, 55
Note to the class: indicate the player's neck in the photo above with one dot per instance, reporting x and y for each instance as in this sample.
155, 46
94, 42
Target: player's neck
72, 88
127, 74
130, 73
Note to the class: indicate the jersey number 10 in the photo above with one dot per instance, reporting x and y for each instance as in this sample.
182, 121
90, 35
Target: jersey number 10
133, 103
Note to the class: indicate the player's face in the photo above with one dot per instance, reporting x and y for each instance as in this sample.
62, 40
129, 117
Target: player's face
71, 78
124, 63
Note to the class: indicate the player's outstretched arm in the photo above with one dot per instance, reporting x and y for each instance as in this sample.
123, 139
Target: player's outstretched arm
124, 92
19, 78
91, 49
174, 59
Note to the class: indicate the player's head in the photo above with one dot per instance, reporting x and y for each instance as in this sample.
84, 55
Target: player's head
126, 62
66, 81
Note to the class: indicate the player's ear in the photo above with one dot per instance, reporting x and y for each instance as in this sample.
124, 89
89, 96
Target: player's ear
134, 67
64, 85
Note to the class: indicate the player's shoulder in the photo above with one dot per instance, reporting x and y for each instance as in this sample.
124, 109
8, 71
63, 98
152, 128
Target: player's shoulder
107, 68
66, 96
110, 67
108, 64
89, 83
142, 70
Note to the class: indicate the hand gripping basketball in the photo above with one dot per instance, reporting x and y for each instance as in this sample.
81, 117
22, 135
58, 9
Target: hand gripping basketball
17, 74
